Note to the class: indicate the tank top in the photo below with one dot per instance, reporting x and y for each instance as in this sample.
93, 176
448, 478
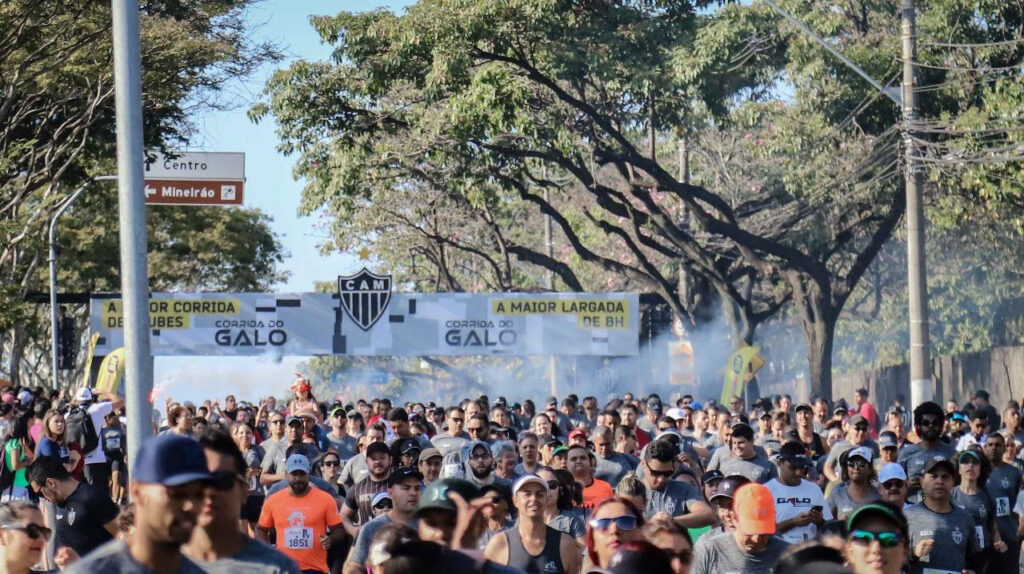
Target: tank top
549, 561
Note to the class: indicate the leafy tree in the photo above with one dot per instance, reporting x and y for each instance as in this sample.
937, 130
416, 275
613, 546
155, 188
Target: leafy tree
57, 118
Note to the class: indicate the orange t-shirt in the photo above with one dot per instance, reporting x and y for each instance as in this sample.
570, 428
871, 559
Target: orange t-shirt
300, 521
596, 492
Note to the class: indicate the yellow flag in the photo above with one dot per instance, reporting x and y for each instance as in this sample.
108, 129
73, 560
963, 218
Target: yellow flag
90, 349
739, 370
111, 371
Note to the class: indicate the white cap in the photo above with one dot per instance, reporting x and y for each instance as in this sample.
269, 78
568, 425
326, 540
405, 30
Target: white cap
891, 471
675, 413
24, 396
83, 395
528, 479
861, 451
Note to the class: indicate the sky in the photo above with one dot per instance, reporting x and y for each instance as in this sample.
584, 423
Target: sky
271, 188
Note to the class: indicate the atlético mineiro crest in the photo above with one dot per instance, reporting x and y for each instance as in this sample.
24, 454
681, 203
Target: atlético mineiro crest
365, 297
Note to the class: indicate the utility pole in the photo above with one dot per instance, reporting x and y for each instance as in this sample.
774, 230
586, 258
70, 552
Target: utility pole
132, 220
921, 388
54, 311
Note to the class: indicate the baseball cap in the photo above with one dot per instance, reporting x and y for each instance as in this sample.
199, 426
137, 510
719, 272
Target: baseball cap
379, 497
861, 451
297, 462
840, 408
578, 432
553, 441
675, 412
794, 452
410, 446
969, 452
891, 471
401, 474
855, 419
478, 443
83, 395
728, 486
695, 405
877, 509
803, 407
436, 495
25, 396
561, 449
430, 453
888, 440
171, 460
654, 404
711, 476
754, 506
293, 419
528, 479
376, 447
982, 394
937, 461
337, 410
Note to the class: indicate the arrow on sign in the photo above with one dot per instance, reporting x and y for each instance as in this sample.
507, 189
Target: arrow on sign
150, 191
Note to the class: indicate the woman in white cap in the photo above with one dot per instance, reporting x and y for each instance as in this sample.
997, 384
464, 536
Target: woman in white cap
856, 489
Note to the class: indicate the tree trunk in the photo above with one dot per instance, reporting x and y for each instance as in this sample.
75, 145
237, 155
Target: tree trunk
18, 342
819, 356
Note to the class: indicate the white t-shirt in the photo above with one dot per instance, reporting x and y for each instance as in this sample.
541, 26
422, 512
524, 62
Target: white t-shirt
98, 412
792, 501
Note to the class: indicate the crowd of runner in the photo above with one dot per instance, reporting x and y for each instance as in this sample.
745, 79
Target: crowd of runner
634, 485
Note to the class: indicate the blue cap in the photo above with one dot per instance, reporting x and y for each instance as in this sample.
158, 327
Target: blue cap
297, 462
171, 460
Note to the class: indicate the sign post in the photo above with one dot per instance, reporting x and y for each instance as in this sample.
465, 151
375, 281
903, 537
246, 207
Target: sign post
195, 178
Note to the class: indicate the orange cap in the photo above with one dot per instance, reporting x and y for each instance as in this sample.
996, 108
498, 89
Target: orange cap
755, 509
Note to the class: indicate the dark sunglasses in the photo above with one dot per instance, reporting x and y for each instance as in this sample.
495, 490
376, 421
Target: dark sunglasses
661, 473
33, 531
930, 423
857, 463
624, 522
893, 484
384, 504
885, 539
553, 484
225, 480
331, 463
475, 429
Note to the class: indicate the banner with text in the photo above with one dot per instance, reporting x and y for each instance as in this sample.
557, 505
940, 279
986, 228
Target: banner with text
403, 324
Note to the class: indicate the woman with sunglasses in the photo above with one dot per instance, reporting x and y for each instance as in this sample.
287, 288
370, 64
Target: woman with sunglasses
243, 433
613, 522
559, 511
878, 539
23, 536
856, 489
329, 467
973, 470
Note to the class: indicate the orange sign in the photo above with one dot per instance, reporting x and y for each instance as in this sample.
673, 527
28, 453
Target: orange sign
194, 192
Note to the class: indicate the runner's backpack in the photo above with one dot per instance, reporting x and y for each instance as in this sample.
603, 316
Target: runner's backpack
81, 430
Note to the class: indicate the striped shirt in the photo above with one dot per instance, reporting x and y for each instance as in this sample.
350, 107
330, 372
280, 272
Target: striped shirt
361, 495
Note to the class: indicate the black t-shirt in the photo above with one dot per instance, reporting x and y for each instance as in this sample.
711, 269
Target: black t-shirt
81, 518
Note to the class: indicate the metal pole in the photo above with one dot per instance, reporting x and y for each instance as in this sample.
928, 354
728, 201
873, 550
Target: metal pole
552, 360
132, 218
54, 323
921, 388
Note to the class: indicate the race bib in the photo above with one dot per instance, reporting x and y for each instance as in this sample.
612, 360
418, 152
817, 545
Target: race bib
1002, 506
298, 538
979, 533
114, 443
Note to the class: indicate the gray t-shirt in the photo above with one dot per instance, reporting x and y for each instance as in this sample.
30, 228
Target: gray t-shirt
254, 558
346, 447
758, 469
913, 458
676, 499
721, 555
953, 533
981, 508
355, 469
361, 548
114, 557
1003, 485
844, 446
446, 443
571, 525
613, 468
842, 504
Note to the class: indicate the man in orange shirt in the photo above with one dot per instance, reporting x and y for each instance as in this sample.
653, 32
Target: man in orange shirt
594, 490
306, 519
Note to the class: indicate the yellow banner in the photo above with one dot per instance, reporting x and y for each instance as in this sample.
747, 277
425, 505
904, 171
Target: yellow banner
170, 313
590, 313
111, 370
740, 370
90, 349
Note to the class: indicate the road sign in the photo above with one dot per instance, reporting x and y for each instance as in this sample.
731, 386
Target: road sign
195, 178
164, 192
